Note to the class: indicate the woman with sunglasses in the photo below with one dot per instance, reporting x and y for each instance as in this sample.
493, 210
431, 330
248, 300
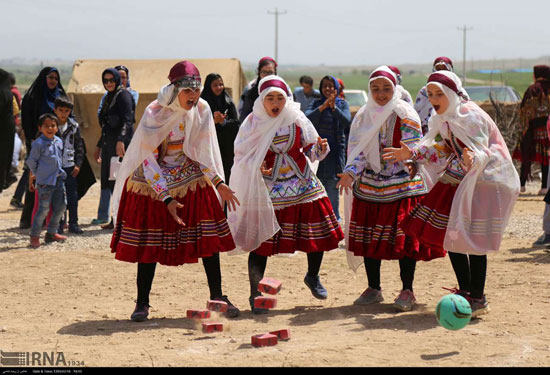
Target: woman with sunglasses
38, 100
170, 190
266, 67
116, 119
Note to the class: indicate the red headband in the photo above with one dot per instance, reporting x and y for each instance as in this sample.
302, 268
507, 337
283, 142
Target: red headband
444, 80
267, 58
382, 73
274, 83
443, 59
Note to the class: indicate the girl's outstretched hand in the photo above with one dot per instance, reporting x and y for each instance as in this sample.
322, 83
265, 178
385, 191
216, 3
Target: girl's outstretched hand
397, 154
345, 183
228, 196
173, 209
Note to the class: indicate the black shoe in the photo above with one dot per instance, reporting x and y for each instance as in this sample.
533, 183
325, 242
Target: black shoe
232, 311
24, 225
141, 312
542, 240
16, 203
10, 181
256, 310
74, 228
317, 289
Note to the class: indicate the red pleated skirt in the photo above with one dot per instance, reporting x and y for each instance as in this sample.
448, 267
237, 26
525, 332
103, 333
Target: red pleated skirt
145, 231
308, 227
376, 231
427, 221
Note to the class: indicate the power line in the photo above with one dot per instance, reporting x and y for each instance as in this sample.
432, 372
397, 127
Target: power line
276, 13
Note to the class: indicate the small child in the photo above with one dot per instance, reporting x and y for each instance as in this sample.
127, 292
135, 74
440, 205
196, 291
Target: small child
73, 157
46, 164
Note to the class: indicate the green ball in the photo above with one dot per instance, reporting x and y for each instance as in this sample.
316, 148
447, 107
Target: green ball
453, 312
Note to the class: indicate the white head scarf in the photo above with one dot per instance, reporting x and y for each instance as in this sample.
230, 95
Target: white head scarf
254, 221
159, 119
486, 196
364, 137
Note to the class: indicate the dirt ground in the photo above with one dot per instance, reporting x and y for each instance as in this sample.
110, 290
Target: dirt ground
76, 299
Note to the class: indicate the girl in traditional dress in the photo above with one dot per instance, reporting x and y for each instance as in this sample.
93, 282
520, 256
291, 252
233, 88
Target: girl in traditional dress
468, 209
422, 104
383, 193
534, 144
165, 193
284, 207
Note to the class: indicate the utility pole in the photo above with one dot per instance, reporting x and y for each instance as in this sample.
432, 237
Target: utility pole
464, 30
276, 13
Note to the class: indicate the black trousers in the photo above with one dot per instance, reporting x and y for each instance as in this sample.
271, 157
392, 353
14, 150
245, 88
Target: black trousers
407, 268
146, 274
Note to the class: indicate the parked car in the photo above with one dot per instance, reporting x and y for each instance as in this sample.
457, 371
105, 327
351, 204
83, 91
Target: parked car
356, 99
504, 94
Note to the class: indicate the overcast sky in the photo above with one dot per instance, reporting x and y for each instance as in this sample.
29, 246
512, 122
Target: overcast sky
343, 32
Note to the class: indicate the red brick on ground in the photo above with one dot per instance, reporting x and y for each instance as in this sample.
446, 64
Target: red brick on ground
264, 340
282, 334
198, 314
212, 327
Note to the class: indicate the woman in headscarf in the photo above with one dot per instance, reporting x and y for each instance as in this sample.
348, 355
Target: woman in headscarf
165, 198
422, 104
284, 207
225, 117
476, 185
533, 144
38, 100
379, 193
7, 127
105, 196
331, 117
116, 119
266, 67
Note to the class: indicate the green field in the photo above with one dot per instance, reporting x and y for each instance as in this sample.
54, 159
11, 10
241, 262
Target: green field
353, 78
414, 82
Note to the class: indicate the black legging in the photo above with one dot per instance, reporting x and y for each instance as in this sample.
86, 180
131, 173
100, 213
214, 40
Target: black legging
146, 273
407, 267
257, 265
525, 171
471, 271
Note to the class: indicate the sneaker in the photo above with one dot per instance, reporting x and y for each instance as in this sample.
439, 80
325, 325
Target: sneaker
480, 306
232, 311
74, 228
543, 191
35, 242
54, 238
256, 310
405, 301
140, 312
522, 189
99, 221
317, 289
369, 297
544, 239
16, 203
